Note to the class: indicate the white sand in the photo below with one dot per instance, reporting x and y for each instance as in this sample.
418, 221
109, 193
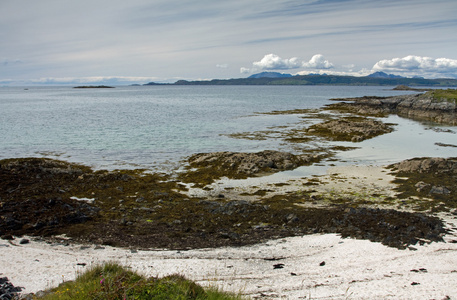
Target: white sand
342, 180
354, 269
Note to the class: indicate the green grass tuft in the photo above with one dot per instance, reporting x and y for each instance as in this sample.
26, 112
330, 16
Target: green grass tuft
111, 281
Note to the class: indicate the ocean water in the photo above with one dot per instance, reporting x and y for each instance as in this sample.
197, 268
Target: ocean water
155, 127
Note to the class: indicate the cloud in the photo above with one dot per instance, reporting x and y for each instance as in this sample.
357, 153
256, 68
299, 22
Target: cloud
222, 66
359, 73
274, 62
318, 62
432, 67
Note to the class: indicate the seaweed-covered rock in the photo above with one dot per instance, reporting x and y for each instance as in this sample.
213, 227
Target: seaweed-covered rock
211, 166
250, 163
428, 177
350, 129
36, 198
433, 165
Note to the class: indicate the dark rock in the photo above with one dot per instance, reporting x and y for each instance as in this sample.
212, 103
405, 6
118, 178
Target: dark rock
446, 145
322, 264
278, 266
290, 218
273, 258
7, 290
421, 270
441, 190
24, 241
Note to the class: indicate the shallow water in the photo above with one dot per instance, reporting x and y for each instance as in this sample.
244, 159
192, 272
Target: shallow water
155, 127
410, 139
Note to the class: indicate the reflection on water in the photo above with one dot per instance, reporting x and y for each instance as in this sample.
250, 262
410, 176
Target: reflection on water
410, 139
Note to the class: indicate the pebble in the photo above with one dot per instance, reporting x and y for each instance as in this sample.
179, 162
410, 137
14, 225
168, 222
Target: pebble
24, 241
278, 266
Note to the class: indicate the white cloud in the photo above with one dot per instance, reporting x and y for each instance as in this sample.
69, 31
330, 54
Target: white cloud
362, 72
222, 66
244, 70
349, 67
274, 62
318, 62
428, 66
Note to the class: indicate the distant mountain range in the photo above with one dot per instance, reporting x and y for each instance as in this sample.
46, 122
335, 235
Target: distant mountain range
384, 75
270, 75
274, 78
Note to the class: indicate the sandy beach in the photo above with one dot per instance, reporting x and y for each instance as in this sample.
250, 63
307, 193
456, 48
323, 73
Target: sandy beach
308, 267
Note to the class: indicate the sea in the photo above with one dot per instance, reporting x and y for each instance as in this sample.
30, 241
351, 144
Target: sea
157, 127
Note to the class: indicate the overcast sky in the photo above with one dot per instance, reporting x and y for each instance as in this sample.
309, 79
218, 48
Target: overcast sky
137, 41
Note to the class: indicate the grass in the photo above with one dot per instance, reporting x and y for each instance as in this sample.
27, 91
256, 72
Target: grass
112, 281
449, 95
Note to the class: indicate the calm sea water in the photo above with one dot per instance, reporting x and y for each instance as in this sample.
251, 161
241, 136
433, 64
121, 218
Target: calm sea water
155, 127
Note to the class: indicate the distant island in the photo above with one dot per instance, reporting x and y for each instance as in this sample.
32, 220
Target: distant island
407, 88
273, 78
94, 87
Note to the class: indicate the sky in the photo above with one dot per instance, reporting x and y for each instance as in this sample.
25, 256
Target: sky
139, 41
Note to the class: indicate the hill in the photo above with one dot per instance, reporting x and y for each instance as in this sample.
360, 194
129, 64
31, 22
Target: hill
384, 75
324, 80
270, 75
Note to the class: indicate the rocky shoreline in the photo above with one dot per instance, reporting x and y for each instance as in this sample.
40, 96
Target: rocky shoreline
133, 208
71, 204
417, 106
49, 198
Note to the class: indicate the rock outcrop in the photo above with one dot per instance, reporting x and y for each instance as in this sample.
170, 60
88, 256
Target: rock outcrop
250, 163
204, 168
350, 129
432, 178
433, 165
7, 290
419, 106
